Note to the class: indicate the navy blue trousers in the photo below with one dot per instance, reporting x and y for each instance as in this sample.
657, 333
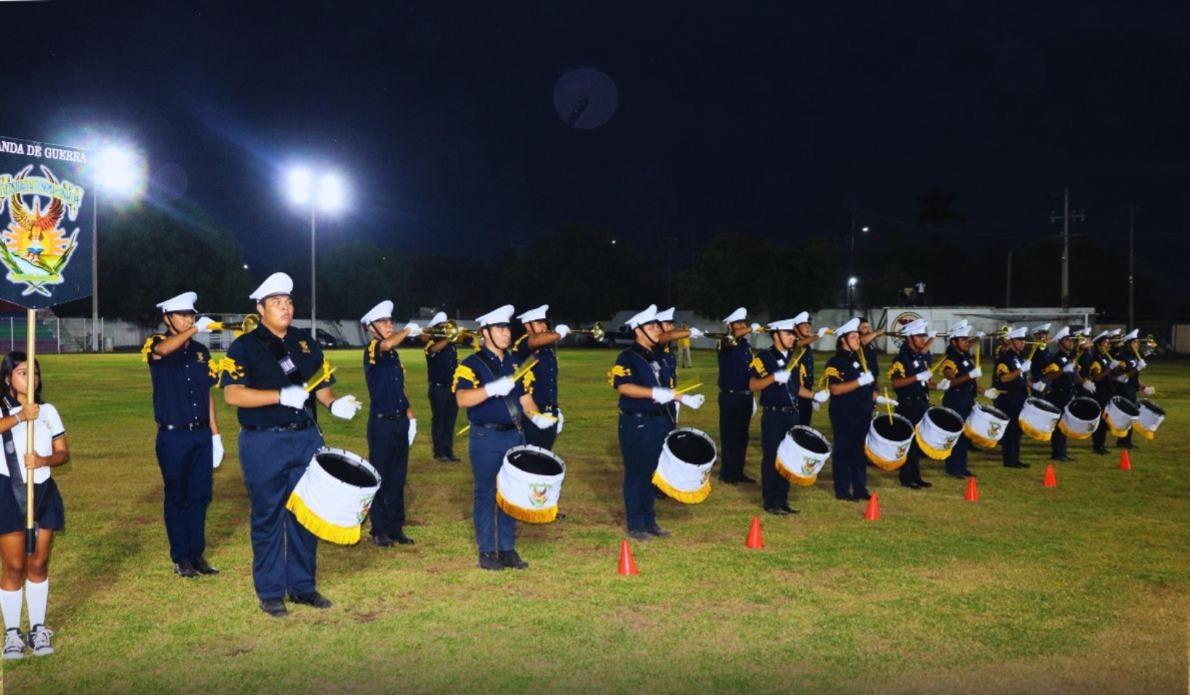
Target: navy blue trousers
185, 458
913, 411
388, 452
1010, 444
774, 425
494, 530
735, 415
444, 411
849, 466
284, 553
963, 404
641, 441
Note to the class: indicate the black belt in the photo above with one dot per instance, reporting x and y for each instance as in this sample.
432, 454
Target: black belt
658, 413
190, 426
394, 416
291, 427
780, 409
496, 426
735, 392
434, 383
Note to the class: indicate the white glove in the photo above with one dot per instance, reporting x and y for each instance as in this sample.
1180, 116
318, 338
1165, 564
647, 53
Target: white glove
1069, 368
345, 407
216, 450
543, 420
881, 400
991, 394
294, 396
1141, 364
561, 420
1123, 378
975, 373
923, 377
815, 405
677, 411
866, 378
1089, 386
500, 387
822, 396
781, 376
662, 396
562, 330
692, 400
413, 328
412, 430
1026, 366
203, 323
1149, 390
695, 333
824, 331
944, 384
1113, 364
755, 327
1039, 387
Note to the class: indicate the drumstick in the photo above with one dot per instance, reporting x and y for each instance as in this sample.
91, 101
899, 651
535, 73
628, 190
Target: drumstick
463, 431
327, 370
525, 367
888, 406
794, 362
688, 388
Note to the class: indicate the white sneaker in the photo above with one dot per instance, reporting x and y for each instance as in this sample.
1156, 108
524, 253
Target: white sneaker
14, 644
39, 640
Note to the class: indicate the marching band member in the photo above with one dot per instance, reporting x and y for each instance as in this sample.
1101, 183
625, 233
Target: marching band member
1062, 374
735, 399
1012, 371
49, 451
960, 369
1098, 367
805, 370
772, 377
391, 424
188, 442
541, 382
670, 335
1039, 361
911, 377
442, 358
1127, 380
867, 337
497, 407
266, 375
851, 403
640, 380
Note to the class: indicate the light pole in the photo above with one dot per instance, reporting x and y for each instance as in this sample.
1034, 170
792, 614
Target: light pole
851, 280
119, 170
326, 192
851, 283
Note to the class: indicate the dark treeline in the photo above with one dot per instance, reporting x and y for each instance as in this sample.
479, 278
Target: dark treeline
586, 273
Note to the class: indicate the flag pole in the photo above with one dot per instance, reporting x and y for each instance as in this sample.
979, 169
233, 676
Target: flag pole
30, 390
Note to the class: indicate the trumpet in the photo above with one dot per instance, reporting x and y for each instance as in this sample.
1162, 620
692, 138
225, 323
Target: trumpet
596, 332
729, 336
249, 324
449, 331
902, 336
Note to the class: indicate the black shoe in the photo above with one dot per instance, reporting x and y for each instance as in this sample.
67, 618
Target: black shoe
912, 484
657, 531
275, 607
201, 565
185, 569
1061, 458
510, 558
733, 481
313, 598
745, 479
862, 495
440, 458
381, 540
788, 509
1016, 464
923, 483
452, 458
401, 538
490, 561
1101, 450
969, 474
639, 534
960, 476
776, 510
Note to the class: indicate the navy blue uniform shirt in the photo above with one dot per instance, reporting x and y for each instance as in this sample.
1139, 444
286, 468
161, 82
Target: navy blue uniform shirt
909, 363
182, 382
1009, 360
541, 382
775, 395
484, 367
441, 365
842, 367
962, 363
386, 380
638, 365
252, 362
734, 360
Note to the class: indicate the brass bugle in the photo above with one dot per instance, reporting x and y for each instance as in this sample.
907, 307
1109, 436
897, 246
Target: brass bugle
939, 334
449, 331
595, 331
249, 324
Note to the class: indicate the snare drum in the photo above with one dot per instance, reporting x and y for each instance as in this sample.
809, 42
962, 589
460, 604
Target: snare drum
1150, 418
529, 484
333, 496
938, 431
1039, 418
1080, 419
801, 455
1120, 414
888, 441
985, 426
684, 468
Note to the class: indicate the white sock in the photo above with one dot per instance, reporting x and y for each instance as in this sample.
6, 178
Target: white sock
10, 605
36, 596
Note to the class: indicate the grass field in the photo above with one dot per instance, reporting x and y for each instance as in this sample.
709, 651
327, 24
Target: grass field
1078, 588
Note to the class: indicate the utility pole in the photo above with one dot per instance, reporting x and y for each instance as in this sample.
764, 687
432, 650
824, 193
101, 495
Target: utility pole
1008, 282
1131, 266
1066, 217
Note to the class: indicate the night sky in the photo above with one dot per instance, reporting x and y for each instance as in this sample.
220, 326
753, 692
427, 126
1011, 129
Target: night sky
763, 118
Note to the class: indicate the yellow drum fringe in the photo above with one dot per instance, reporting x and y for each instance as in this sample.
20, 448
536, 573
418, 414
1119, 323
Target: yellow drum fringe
881, 463
1146, 433
795, 479
978, 439
1033, 432
529, 516
936, 454
343, 535
684, 497
1073, 435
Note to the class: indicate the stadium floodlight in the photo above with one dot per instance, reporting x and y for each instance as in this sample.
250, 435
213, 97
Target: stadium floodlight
325, 192
119, 171
852, 281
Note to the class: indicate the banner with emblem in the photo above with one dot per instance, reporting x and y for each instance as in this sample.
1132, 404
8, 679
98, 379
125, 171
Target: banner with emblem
47, 206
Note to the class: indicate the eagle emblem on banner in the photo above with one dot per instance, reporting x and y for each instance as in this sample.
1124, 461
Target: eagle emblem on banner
35, 248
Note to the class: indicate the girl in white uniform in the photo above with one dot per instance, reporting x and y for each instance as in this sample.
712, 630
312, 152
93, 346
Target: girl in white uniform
49, 450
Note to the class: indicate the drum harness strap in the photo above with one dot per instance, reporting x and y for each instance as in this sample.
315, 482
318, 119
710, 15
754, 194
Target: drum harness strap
277, 348
514, 412
7, 407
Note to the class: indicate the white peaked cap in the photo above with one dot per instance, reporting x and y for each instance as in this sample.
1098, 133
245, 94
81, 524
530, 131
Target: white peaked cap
496, 317
1018, 333
537, 314
782, 325
383, 310
666, 315
440, 317
649, 315
1063, 332
277, 283
737, 315
182, 302
916, 327
852, 326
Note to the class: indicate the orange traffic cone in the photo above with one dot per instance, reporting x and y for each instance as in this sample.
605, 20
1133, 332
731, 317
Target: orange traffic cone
972, 491
873, 512
627, 562
1051, 480
1125, 460
755, 537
